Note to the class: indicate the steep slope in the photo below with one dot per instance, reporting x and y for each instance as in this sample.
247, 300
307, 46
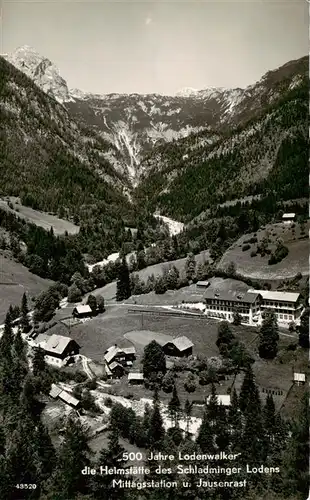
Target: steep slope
48, 159
268, 152
42, 71
134, 124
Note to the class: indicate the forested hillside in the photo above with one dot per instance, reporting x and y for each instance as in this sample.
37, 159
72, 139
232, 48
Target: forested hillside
268, 153
48, 159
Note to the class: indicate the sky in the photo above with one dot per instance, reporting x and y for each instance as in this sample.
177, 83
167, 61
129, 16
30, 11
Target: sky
129, 46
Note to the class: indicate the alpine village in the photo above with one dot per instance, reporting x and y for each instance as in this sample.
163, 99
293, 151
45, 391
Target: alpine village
154, 295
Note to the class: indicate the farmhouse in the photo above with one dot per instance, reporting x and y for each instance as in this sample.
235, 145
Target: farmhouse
299, 378
117, 369
57, 348
135, 378
114, 353
288, 218
58, 392
124, 355
202, 285
180, 346
286, 305
82, 311
222, 304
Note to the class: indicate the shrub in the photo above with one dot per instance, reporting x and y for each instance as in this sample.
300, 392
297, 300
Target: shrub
253, 253
108, 402
246, 247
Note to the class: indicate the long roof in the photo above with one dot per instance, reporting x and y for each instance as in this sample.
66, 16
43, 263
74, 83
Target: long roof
135, 376
56, 344
82, 309
233, 296
277, 296
67, 398
182, 343
288, 216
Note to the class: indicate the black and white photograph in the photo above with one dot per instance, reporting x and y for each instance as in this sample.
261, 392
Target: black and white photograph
154, 253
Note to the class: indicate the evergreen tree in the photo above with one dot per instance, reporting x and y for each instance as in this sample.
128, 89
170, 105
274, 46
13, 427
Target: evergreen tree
269, 337
190, 266
102, 486
249, 391
235, 422
156, 430
205, 437
45, 450
67, 481
188, 411
303, 329
296, 459
174, 407
123, 291
25, 323
19, 346
22, 461
6, 341
160, 286
38, 362
212, 408
269, 416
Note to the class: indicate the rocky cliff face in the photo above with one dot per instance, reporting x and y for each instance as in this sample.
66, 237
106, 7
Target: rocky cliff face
42, 71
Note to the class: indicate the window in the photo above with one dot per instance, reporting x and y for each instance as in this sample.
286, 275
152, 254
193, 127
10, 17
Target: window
285, 316
281, 316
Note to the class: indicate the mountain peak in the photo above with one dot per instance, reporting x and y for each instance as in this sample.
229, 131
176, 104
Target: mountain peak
42, 71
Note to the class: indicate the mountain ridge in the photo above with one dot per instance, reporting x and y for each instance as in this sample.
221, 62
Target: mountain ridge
136, 123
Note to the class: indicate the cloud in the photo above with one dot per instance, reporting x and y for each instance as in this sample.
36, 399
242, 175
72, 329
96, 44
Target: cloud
148, 21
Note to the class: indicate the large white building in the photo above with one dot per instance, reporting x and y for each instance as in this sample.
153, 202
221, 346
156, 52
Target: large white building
286, 305
252, 304
223, 304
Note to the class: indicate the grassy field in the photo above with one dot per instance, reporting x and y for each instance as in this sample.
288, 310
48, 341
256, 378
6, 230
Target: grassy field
15, 279
41, 219
109, 291
257, 267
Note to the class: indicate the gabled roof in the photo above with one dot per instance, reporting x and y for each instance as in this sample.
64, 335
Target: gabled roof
114, 365
277, 296
56, 344
83, 309
42, 338
182, 343
112, 352
67, 398
222, 399
135, 376
55, 391
129, 350
232, 296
